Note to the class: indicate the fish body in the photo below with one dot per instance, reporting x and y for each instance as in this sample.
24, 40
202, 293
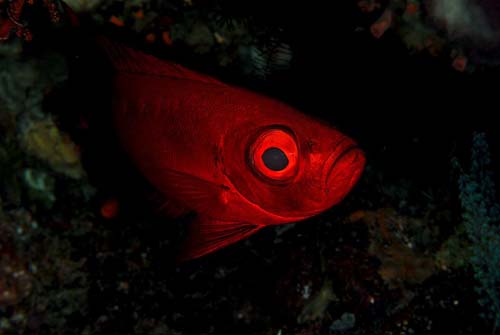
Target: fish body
241, 160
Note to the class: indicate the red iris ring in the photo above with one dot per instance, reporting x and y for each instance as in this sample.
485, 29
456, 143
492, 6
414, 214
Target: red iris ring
282, 139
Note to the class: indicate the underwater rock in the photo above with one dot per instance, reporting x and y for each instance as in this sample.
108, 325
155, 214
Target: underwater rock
15, 279
478, 20
40, 185
402, 263
346, 322
80, 6
25, 82
11, 49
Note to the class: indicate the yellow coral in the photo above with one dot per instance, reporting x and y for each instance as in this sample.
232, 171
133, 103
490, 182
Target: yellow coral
43, 140
316, 306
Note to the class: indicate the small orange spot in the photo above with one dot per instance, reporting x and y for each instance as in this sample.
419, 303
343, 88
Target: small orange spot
460, 63
28, 37
150, 38
378, 28
383, 23
110, 209
219, 38
357, 216
411, 8
116, 21
139, 15
166, 38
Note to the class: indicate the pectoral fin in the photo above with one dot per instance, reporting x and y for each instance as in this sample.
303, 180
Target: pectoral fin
189, 191
207, 235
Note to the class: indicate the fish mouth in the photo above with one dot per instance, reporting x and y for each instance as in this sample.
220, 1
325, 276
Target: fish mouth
344, 170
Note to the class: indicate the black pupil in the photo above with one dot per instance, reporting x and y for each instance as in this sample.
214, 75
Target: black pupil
275, 159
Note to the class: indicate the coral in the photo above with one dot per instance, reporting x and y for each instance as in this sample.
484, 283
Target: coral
10, 164
466, 32
199, 37
394, 241
454, 253
40, 185
232, 43
481, 217
42, 278
76, 262
25, 82
263, 61
23, 87
402, 266
12, 20
41, 281
16, 281
45, 141
315, 308
84, 5
229, 41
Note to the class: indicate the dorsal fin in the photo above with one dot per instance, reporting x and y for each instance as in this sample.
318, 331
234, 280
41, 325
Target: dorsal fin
125, 59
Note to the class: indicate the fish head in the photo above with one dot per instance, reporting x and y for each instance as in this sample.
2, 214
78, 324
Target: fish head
291, 166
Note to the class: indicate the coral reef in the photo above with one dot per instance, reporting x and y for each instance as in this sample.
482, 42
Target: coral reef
395, 241
84, 250
481, 215
42, 280
466, 32
13, 17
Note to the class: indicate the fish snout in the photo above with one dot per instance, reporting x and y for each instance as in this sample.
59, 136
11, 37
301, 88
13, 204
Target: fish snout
343, 170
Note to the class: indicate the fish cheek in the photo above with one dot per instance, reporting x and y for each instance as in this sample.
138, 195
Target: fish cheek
218, 158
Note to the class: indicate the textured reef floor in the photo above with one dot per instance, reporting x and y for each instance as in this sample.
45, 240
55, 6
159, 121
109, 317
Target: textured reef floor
84, 248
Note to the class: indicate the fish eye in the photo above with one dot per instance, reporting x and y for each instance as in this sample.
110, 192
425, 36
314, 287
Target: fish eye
274, 154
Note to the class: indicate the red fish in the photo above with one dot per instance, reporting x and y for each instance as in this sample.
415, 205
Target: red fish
241, 160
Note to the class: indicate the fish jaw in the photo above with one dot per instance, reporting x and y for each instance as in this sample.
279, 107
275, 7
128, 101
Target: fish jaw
343, 171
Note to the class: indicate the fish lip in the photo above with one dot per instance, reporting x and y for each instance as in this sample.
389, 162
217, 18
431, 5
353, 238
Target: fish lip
335, 157
352, 151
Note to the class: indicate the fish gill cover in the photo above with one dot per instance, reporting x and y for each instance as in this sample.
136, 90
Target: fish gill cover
413, 249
